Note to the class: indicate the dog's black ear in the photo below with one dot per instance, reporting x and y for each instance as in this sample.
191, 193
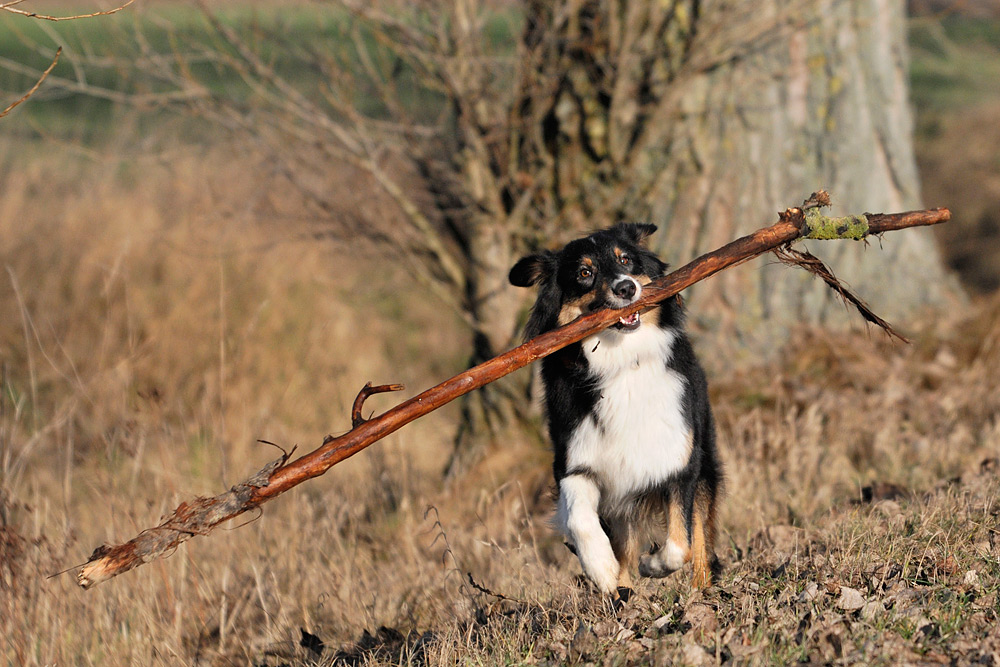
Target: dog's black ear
635, 231
533, 269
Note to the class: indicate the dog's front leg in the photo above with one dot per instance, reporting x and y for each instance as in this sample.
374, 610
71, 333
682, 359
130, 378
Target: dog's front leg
577, 517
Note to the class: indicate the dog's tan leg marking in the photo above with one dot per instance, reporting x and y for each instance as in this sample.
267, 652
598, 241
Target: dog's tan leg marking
702, 541
626, 548
677, 549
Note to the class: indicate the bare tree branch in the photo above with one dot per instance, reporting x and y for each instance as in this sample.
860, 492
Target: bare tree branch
99, 92
355, 144
201, 515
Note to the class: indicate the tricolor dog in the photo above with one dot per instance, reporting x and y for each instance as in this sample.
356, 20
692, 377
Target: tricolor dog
628, 415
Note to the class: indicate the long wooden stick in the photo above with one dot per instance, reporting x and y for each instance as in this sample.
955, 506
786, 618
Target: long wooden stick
200, 516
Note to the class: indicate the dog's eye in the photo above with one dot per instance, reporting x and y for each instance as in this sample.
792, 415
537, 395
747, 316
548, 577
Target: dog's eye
585, 273
625, 260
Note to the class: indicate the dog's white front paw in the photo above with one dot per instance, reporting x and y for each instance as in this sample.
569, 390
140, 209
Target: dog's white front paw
601, 566
577, 516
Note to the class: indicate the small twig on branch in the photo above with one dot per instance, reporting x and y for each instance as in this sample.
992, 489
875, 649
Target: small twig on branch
36, 86
201, 515
366, 391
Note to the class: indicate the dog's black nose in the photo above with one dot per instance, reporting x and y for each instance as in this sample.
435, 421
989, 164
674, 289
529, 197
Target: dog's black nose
624, 289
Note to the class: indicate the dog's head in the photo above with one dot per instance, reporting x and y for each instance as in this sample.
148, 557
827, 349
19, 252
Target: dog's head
604, 270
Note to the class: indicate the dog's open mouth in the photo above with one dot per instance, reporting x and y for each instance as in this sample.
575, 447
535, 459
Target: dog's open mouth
628, 323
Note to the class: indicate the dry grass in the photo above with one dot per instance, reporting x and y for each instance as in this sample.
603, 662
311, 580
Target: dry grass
152, 329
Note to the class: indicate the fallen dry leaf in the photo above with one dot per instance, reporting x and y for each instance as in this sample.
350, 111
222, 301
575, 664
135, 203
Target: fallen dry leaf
703, 621
850, 599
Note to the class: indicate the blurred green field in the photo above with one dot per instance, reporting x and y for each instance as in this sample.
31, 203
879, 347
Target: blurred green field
955, 60
136, 52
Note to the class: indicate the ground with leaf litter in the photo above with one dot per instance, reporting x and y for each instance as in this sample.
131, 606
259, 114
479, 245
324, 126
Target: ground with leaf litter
897, 578
903, 568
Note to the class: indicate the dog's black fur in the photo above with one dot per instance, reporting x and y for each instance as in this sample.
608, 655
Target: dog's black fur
631, 426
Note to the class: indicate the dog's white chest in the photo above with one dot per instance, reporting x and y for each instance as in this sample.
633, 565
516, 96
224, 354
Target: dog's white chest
636, 435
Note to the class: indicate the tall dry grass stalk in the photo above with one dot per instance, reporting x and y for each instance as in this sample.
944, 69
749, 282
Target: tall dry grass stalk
158, 316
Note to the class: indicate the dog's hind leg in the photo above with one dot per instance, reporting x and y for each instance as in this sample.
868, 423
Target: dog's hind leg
703, 538
677, 549
576, 515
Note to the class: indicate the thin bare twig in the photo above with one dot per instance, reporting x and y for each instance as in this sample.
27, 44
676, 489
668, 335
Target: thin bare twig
200, 516
34, 87
9, 7
135, 99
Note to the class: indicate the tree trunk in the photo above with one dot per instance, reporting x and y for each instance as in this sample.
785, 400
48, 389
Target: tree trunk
828, 107
707, 119
489, 413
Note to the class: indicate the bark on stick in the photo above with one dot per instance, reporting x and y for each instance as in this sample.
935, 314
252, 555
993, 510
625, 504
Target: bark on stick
201, 515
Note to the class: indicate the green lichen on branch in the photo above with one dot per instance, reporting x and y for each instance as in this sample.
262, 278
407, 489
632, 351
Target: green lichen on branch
823, 227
